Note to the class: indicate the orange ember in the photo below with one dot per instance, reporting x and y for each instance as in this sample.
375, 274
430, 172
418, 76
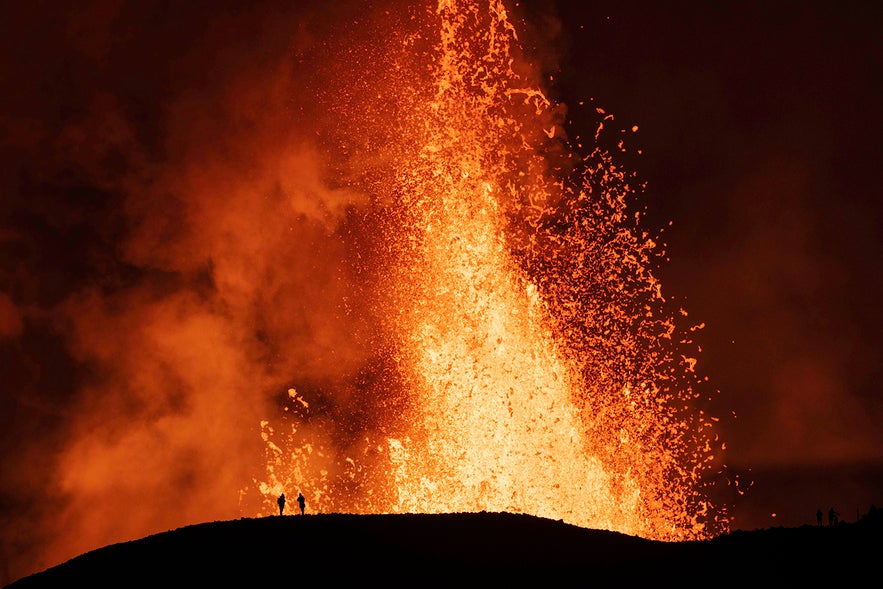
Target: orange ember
526, 359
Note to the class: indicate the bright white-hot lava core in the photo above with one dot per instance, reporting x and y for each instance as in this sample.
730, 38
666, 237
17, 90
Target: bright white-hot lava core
525, 358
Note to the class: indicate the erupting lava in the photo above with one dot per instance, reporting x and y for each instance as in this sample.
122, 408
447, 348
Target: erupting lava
526, 360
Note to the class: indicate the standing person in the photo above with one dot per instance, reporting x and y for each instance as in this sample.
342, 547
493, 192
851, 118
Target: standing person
832, 517
281, 503
301, 501
819, 516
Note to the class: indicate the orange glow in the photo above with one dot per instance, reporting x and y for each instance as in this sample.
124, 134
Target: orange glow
532, 363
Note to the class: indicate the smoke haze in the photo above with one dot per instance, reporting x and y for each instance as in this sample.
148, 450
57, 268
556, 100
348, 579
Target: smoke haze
172, 253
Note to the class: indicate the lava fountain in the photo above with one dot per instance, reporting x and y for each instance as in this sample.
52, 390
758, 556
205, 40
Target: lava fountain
525, 357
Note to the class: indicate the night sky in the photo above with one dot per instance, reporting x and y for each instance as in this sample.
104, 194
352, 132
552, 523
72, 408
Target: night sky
759, 135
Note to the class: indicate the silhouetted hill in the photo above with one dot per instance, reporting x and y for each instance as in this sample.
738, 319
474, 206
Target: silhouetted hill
461, 549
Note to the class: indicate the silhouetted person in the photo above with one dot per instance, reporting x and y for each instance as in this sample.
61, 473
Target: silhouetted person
302, 502
832, 517
281, 502
819, 516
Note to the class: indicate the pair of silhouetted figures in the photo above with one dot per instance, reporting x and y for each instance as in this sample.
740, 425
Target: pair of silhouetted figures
832, 517
300, 501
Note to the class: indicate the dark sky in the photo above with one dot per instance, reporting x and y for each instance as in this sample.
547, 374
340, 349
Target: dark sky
760, 139
760, 130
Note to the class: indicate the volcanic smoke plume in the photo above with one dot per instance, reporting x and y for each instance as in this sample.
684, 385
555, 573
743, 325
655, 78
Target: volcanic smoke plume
352, 255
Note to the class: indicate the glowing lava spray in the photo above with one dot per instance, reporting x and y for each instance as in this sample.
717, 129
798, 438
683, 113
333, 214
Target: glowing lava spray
531, 363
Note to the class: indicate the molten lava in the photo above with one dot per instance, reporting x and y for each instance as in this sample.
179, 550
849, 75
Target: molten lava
526, 359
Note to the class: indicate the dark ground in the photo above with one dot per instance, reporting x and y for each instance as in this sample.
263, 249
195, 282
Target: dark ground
789, 496
464, 549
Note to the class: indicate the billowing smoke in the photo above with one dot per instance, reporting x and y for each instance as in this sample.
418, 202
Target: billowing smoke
174, 251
